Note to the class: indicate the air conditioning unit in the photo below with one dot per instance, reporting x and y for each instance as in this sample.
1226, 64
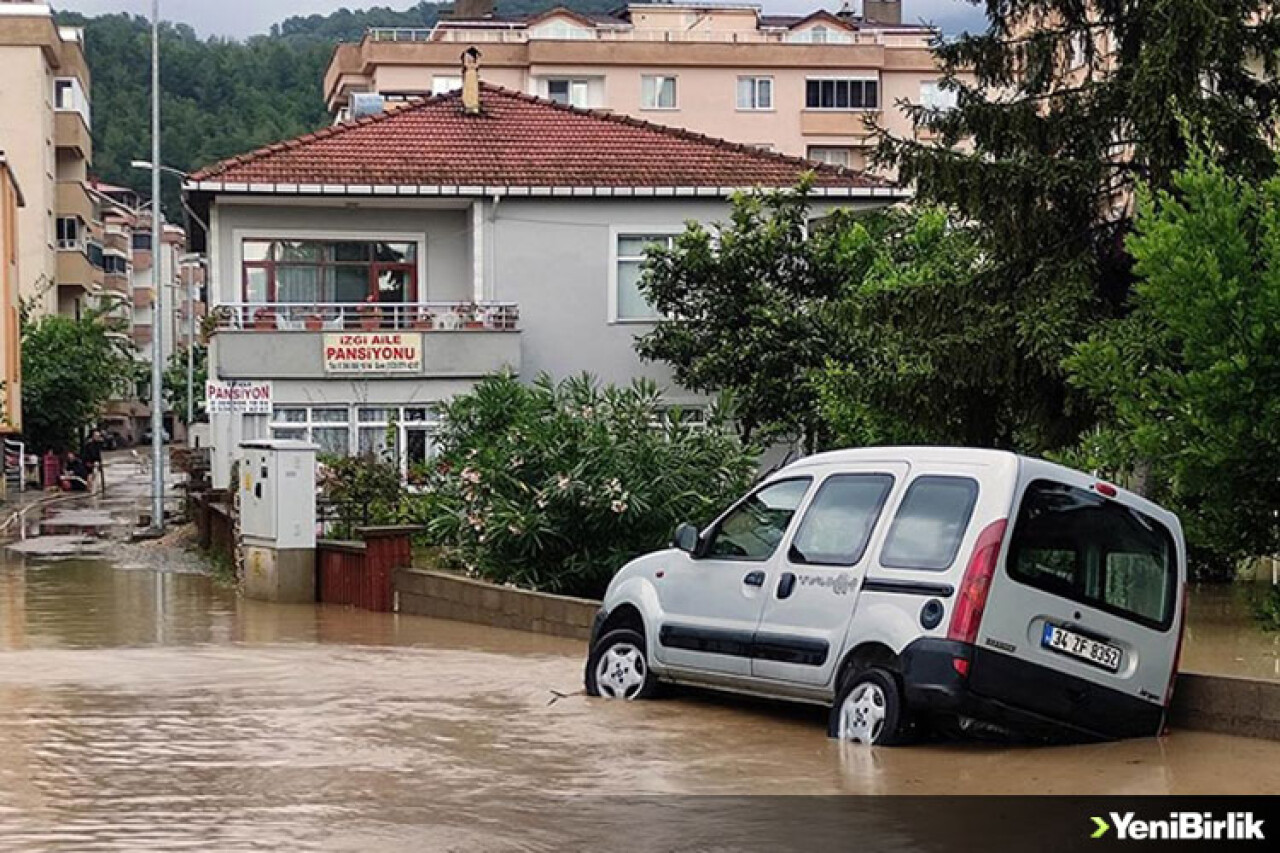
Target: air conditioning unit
366, 104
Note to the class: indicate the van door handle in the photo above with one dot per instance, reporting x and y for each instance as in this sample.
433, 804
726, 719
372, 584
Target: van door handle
755, 578
786, 584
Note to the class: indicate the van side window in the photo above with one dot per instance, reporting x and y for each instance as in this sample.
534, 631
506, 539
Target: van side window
754, 528
838, 524
930, 523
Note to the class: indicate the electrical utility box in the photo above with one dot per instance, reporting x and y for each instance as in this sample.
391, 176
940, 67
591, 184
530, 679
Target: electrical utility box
278, 494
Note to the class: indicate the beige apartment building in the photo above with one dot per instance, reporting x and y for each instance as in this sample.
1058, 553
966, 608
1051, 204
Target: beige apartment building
801, 85
45, 132
11, 202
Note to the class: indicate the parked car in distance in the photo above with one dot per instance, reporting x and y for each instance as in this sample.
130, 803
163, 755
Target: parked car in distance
905, 586
146, 436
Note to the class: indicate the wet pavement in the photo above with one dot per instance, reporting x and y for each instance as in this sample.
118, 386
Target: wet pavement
151, 709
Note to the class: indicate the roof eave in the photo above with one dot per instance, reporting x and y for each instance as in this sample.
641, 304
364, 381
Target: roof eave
488, 191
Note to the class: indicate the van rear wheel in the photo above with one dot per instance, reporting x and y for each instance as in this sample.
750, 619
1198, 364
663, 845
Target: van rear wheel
869, 709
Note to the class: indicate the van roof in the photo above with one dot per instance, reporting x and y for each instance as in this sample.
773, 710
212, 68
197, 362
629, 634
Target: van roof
972, 457
910, 454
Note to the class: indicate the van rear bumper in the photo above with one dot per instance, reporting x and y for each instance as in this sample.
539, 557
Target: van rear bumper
1001, 689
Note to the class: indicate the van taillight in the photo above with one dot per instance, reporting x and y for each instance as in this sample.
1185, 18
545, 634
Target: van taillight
967, 615
1177, 651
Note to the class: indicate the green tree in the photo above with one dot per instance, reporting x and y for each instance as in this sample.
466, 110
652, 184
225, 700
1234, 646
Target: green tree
1190, 380
556, 485
175, 381
739, 305
70, 369
1062, 107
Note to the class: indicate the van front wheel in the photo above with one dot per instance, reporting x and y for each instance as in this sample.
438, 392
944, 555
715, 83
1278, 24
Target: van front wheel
618, 667
869, 709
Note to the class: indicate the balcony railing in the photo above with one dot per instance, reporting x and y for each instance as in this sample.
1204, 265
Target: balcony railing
521, 36
365, 316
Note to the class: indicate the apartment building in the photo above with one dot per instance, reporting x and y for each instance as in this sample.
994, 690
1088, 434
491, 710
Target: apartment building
128, 259
11, 201
803, 85
45, 131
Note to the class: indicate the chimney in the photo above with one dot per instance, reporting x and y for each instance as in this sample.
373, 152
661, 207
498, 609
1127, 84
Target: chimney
471, 81
882, 11
472, 10
846, 12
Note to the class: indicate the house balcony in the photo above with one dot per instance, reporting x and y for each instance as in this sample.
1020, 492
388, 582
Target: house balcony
838, 122
289, 340
118, 282
76, 270
74, 200
71, 133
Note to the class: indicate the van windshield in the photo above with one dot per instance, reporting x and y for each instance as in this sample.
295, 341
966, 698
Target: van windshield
1084, 547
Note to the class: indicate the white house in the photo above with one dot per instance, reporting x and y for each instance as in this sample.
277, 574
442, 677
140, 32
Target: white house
364, 273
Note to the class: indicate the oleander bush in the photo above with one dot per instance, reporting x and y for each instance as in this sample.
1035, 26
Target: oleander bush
555, 486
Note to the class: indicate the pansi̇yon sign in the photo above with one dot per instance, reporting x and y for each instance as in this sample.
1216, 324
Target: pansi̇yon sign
373, 352
237, 397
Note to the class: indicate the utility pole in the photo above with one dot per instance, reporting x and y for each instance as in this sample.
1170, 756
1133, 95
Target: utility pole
157, 279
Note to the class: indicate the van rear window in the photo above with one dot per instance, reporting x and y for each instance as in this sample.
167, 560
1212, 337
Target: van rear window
1082, 546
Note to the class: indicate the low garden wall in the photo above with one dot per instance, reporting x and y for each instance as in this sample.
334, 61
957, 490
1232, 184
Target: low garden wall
360, 573
1234, 706
423, 592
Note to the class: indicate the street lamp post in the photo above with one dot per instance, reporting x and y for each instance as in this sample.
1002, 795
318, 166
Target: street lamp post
157, 239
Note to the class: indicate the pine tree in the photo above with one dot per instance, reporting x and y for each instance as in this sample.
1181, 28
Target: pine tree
1062, 106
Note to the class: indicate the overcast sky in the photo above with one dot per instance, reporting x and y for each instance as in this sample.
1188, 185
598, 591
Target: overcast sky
245, 17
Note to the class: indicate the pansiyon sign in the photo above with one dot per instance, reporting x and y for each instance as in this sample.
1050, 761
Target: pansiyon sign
237, 396
373, 352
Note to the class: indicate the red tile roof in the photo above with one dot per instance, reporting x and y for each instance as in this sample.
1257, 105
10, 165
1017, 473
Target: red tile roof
518, 141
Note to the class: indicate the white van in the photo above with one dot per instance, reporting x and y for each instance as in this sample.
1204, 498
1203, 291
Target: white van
904, 584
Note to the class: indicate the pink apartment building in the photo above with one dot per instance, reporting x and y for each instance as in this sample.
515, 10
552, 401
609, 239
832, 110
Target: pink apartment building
800, 85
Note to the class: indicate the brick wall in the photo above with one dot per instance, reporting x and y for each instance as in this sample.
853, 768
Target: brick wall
445, 596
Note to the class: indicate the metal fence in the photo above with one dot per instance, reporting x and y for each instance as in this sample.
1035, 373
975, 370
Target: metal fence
368, 316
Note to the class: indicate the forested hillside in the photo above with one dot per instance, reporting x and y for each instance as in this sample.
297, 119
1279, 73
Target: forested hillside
223, 97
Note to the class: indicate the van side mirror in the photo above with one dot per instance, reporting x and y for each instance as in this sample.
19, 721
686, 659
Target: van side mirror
686, 539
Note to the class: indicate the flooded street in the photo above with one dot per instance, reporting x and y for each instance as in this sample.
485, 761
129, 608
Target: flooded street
150, 709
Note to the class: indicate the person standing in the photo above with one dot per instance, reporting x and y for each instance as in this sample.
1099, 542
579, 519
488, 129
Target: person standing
91, 455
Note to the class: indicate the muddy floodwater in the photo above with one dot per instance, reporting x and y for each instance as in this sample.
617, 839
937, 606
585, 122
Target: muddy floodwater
144, 709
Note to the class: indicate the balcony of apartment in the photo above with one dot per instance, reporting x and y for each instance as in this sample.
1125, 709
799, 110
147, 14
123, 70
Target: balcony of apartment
141, 335
73, 199
142, 297
296, 339
71, 133
119, 283
821, 122
513, 35
76, 268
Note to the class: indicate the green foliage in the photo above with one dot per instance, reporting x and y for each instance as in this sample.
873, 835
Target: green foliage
863, 328
1190, 377
1266, 608
1054, 148
70, 369
556, 486
175, 381
222, 97
739, 301
363, 490
920, 350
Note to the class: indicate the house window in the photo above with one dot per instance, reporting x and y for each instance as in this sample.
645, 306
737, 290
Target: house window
842, 94
115, 265
755, 93
379, 431
690, 417
568, 92
560, 29
142, 241
848, 158
631, 304
441, 84
319, 271
819, 35
933, 97
657, 92
70, 233
94, 251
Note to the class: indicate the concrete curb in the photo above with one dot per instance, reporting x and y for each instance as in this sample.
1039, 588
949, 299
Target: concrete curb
445, 596
1226, 705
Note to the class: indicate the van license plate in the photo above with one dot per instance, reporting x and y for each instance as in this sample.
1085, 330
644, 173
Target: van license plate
1077, 646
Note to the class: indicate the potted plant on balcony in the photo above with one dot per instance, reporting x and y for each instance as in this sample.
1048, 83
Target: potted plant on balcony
313, 322
469, 314
264, 319
424, 320
370, 314
220, 317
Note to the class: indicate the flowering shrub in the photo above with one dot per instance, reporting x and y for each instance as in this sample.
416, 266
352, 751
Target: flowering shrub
555, 486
